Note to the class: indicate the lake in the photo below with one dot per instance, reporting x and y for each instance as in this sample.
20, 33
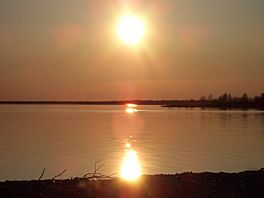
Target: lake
73, 137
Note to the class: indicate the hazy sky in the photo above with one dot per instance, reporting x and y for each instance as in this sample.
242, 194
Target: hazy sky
69, 50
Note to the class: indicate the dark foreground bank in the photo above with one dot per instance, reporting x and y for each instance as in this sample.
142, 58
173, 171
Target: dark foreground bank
222, 185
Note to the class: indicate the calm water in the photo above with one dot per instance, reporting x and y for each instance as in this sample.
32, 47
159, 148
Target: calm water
167, 140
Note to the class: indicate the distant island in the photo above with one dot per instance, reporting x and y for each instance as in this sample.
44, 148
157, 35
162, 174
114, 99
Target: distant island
225, 101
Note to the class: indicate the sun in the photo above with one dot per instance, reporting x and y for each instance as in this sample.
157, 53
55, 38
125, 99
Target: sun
131, 29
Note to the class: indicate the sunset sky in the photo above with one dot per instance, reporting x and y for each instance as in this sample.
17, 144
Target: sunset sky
70, 50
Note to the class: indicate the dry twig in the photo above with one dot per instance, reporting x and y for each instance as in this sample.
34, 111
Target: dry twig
59, 174
95, 174
42, 174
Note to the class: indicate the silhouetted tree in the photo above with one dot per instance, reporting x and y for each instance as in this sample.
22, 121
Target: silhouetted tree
210, 97
244, 98
229, 98
203, 98
262, 96
222, 100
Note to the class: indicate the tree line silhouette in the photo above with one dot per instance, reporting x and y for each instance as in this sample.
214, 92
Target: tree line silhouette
225, 101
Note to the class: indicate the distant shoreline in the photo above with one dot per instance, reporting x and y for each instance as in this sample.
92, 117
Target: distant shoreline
162, 103
120, 102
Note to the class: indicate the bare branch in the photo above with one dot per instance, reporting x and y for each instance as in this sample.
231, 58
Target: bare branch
112, 175
59, 174
99, 167
95, 165
85, 175
42, 174
95, 174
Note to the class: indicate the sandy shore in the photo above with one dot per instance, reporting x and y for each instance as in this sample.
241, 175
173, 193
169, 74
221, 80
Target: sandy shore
202, 185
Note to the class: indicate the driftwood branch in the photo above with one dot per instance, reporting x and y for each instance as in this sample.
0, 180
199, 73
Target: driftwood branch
112, 175
97, 168
95, 174
88, 176
42, 174
59, 174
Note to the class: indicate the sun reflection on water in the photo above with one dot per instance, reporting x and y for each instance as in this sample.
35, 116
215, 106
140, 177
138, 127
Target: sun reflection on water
130, 105
130, 169
131, 108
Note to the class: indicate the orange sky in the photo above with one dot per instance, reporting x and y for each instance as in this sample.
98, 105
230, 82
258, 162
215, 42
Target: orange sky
70, 51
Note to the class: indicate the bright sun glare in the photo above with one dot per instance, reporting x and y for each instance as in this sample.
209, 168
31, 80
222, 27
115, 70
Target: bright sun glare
130, 169
131, 108
131, 29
